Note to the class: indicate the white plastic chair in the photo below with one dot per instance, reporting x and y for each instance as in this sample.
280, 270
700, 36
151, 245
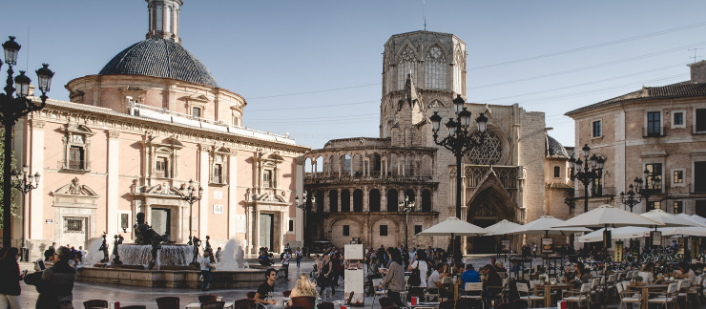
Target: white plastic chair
376, 283
473, 287
627, 297
665, 298
529, 296
584, 294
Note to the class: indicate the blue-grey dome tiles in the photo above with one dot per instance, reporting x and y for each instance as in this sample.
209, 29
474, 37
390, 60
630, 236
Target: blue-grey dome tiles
160, 58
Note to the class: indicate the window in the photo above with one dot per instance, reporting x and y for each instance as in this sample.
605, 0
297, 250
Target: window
346, 230
678, 177
417, 229
218, 173
77, 145
678, 119
700, 120
654, 124
654, 178
168, 19
597, 128
700, 176
701, 208
435, 69
557, 172
73, 225
407, 65
291, 226
678, 207
383, 230
196, 112
267, 179
235, 121
653, 205
597, 186
161, 167
76, 158
158, 20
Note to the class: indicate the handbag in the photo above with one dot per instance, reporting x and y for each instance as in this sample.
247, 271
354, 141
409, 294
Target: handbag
415, 278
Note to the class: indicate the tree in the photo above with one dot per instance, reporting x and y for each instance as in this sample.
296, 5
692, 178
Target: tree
15, 209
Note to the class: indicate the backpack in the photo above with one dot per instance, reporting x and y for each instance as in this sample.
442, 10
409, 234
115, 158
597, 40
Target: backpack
415, 278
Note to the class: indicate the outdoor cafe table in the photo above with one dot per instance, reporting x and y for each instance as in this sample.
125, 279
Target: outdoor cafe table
424, 305
645, 291
548, 288
229, 304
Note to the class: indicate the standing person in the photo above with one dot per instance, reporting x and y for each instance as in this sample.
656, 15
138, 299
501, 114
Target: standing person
534, 250
84, 253
58, 282
285, 263
421, 263
325, 276
206, 270
336, 264
299, 257
219, 253
10, 279
394, 280
265, 290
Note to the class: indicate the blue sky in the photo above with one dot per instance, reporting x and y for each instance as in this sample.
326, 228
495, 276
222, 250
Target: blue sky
313, 68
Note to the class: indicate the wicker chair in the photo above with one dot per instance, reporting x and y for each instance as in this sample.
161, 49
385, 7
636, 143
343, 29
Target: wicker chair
95, 303
168, 302
307, 302
213, 305
243, 303
207, 298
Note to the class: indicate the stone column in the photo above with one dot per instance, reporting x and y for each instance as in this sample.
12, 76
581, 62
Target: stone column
255, 241
233, 199
327, 202
339, 199
113, 186
35, 203
180, 225
366, 199
418, 199
383, 199
203, 205
351, 191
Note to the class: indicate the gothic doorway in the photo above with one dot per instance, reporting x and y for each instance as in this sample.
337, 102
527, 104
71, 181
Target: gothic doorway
487, 208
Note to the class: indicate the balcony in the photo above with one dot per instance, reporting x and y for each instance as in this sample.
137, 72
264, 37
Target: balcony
646, 132
319, 177
74, 165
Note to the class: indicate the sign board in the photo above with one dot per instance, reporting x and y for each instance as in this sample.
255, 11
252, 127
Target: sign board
656, 238
548, 245
217, 209
354, 252
618, 251
217, 195
49, 221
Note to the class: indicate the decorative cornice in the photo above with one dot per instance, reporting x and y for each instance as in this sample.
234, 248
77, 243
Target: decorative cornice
113, 134
37, 124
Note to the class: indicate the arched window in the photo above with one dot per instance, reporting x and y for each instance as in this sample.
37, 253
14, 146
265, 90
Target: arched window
426, 201
377, 165
407, 63
435, 69
333, 200
345, 201
557, 172
392, 200
320, 201
347, 163
374, 200
358, 200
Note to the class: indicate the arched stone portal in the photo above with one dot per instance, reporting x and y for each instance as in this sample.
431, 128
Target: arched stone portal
489, 204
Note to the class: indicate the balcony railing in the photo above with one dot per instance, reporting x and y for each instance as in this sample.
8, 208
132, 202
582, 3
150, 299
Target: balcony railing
73, 165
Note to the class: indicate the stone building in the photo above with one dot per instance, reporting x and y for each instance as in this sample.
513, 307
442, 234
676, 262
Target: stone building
132, 138
358, 182
661, 130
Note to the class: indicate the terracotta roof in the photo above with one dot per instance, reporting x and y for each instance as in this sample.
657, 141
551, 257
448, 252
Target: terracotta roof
160, 58
558, 185
682, 89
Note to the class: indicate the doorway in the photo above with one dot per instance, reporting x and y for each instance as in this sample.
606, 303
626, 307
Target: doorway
267, 230
161, 220
483, 244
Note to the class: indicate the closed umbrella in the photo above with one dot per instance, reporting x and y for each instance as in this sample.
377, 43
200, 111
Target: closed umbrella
627, 232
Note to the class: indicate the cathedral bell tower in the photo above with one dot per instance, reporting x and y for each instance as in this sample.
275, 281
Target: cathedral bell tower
164, 19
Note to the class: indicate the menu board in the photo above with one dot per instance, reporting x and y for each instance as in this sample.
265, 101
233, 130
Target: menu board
548, 245
618, 251
354, 252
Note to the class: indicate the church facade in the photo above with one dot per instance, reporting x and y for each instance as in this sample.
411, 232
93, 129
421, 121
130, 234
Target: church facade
135, 136
357, 184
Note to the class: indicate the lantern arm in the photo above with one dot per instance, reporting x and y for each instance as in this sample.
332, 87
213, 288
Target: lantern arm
19, 107
448, 143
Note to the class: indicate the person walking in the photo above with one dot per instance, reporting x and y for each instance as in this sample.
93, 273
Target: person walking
325, 276
534, 250
10, 279
206, 270
285, 263
299, 257
58, 282
394, 280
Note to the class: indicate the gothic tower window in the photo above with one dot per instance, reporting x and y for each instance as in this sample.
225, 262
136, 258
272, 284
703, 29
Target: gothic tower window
435, 69
407, 63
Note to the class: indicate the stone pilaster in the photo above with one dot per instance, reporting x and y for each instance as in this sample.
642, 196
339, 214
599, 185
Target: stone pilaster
232, 194
113, 181
36, 196
204, 204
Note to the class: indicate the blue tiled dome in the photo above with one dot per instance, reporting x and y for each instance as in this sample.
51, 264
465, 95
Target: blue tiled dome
160, 58
554, 148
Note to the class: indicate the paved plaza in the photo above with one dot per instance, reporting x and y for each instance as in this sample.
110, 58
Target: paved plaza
130, 295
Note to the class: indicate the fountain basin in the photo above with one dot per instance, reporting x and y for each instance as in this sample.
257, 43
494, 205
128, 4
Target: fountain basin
246, 278
169, 255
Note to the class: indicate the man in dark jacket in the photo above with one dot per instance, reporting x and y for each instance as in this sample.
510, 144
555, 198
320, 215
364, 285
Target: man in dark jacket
56, 284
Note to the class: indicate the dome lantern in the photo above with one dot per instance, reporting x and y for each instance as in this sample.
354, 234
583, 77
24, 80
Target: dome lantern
164, 19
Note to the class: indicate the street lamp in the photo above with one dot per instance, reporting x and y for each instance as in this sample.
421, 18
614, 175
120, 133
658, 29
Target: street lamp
629, 199
459, 141
303, 206
407, 206
570, 202
649, 188
191, 198
589, 173
24, 182
12, 108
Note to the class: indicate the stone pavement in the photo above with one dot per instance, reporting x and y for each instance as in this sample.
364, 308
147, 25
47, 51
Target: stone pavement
130, 295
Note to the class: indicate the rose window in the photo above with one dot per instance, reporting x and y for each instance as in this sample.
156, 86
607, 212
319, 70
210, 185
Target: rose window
488, 153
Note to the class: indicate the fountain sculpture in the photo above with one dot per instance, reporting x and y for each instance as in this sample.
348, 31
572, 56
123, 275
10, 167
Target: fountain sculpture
104, 248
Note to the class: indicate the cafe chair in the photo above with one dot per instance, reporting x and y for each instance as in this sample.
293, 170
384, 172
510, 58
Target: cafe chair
527, 294
683, 285
520, 304
250, 295
384, 302
696, 289
328, 305
95, 303
503, 306
213, 305
207, 298
134, 307
665, 298
475, 288
243, 303
168, 302
376, 283
307, 302
595, 286
449, 304
626, 297
580, 296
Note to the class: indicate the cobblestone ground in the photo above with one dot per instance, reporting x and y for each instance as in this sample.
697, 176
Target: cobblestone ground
129, 295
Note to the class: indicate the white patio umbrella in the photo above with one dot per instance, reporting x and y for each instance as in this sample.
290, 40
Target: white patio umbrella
694, 218
454, 226
608, 216
502, 227
545, 226
667, 219
617, 233
698, 218
684, 231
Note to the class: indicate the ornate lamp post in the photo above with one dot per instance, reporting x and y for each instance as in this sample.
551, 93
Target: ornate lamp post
589, 173
191, 198
303, 206
649, 189
407, 206
25, 182
459, 141
12, 108
629, 199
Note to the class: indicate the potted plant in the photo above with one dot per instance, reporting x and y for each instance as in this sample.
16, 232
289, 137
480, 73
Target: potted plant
638, 280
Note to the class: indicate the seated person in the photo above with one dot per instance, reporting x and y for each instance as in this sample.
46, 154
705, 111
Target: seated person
434, 284
457, 268
264, 260
470, 275
687, 273
492, 284
499, 267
